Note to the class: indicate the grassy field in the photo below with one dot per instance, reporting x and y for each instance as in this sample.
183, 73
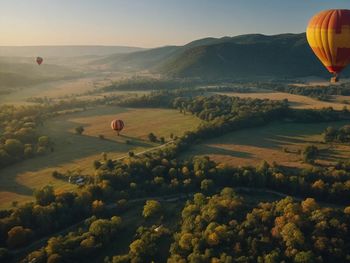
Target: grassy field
251, 146
85, 82
52, 89
72, 152
296, 101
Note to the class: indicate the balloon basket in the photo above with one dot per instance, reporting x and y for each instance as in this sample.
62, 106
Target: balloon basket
334, 79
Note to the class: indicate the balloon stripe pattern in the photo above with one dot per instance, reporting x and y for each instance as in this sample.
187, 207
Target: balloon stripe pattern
328, 34
117, 125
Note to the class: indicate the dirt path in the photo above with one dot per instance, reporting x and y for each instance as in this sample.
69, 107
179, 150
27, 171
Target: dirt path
146, 151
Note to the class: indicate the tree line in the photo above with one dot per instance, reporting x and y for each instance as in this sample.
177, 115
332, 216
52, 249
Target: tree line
341, 134
19, 138
77, 246
144, 83
318, 92
222, 228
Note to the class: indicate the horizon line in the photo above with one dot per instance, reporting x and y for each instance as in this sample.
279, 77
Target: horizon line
140, 47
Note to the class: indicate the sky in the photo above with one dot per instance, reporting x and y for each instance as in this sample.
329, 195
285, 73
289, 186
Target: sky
150, 23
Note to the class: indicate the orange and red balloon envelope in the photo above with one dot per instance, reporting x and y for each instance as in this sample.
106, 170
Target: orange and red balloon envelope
328, 34
117, 125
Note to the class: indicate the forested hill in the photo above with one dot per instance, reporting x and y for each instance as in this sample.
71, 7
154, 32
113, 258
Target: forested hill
250, 55
245, 56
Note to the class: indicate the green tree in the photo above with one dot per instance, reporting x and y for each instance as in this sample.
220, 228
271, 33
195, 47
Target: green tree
185, 241
310, 153
14, 147
43, 141
152, 137
5, 158
151, 208
79, 130
104, 229
54, 258
97, 206
207, 185
330, 134
304, 257
97, 164
18, 236
138, 248
28, 150
45, 195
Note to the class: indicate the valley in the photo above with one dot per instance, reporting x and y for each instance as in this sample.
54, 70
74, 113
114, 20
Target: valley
134, 132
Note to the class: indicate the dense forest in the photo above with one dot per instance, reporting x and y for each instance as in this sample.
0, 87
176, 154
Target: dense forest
221, 228
19, 138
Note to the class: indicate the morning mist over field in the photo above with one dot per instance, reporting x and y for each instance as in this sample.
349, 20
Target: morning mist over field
174, 131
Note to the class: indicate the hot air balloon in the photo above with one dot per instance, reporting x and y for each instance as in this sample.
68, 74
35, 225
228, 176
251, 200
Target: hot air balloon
328, 34
39, 60
117, 125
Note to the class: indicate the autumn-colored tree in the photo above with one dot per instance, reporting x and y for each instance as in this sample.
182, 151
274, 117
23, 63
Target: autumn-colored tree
151, 208
18, 236
97, 206
45, 195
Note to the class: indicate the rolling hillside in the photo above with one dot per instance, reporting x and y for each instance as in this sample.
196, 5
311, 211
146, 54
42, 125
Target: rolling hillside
138, 60
245, 56
154, 58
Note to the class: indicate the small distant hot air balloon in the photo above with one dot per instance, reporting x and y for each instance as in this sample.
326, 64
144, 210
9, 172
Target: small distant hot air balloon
117, 125
328, 34
39, 60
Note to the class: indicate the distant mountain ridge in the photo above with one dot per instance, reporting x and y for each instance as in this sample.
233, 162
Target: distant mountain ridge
244, 56
64, 51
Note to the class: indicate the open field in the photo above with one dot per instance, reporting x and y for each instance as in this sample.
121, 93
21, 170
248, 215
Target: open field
251, 146
77, 87
73, 151
53, 89
296, 101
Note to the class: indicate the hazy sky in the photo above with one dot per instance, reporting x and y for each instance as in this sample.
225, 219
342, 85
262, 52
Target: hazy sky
149, 23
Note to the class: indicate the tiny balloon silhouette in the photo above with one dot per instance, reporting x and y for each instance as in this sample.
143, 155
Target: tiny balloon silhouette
39, 60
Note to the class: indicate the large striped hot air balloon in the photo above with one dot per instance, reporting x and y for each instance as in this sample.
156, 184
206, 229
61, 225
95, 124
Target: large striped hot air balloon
117, 125
39, 60
328, 34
